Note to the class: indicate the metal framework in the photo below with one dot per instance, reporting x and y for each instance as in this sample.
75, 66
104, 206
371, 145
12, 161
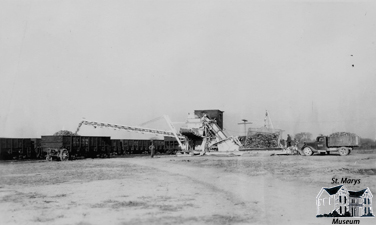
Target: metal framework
136, 129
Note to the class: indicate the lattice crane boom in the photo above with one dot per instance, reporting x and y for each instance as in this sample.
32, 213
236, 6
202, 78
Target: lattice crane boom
136, 129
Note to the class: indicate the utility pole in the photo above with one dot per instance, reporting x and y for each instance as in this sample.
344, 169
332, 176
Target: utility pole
245, 122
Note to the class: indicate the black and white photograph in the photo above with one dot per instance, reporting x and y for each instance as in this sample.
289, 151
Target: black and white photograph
208, 112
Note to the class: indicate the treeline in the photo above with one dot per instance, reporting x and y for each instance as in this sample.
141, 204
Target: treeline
367, 143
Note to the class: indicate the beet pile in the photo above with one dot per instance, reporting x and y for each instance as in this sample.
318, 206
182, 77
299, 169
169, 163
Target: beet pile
262, 140
341, 134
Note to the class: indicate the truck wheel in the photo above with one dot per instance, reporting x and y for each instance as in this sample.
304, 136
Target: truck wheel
64, 155
343, 151
308, 151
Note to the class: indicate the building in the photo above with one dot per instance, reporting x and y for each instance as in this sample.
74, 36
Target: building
330, 199
339, 199
360, 202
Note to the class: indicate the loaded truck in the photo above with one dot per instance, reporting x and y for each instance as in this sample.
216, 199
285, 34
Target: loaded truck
342, 143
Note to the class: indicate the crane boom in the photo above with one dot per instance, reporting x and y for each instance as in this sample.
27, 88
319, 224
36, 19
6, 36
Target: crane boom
142, 130
128, 128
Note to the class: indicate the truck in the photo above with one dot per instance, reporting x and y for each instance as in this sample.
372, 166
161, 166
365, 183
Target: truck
341, 142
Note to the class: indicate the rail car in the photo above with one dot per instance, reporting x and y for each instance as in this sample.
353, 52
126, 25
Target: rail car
141, 146
79, 146
171, 146
159, 146
126, 146
136, 146
37, 151
16, 148
117, 147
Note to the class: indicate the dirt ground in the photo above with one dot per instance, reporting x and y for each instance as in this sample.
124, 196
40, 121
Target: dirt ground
255, 188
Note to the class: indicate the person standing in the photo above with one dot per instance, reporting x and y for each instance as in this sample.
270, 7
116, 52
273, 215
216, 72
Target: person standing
152, 150
288, 141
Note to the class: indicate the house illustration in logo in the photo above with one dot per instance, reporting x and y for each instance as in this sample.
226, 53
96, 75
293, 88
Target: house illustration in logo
340, 201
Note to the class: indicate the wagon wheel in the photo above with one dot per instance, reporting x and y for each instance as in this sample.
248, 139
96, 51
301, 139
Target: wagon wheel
48, 157
343, 151
308, 151
64, 155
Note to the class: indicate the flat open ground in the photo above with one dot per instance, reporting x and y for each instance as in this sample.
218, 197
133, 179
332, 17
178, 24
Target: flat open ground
251, 189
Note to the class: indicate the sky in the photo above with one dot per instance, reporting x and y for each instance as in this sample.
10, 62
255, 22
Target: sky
311, 64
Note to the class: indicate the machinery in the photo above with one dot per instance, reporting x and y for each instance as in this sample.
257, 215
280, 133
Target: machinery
214, 135
210, 135
204, 129
58, 154
172, 133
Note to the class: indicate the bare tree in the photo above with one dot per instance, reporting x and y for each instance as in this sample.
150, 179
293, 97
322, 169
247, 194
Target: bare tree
302, 137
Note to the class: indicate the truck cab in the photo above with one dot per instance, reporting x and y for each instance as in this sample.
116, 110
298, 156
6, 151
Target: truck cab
319, 144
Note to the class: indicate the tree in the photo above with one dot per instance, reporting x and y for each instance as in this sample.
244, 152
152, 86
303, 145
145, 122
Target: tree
65, 133
302, 137
367, 143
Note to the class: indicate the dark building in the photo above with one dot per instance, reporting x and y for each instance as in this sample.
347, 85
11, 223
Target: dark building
212, 114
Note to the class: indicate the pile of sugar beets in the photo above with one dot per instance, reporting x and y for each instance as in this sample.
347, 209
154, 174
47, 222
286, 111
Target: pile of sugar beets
341, 134
262, 140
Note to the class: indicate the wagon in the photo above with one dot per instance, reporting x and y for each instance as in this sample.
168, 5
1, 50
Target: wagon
58, 154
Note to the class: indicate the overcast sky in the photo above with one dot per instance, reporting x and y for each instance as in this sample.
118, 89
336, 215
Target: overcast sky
128, 62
